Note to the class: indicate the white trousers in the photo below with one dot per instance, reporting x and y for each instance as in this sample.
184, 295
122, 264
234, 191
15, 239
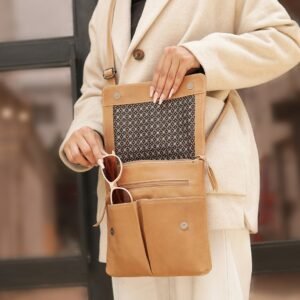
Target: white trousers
229, 278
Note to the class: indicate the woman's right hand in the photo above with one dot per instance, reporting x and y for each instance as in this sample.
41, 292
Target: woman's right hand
84, 147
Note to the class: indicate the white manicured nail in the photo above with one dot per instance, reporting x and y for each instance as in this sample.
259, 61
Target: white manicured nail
155, 97
171, 93
162, 97
151, 91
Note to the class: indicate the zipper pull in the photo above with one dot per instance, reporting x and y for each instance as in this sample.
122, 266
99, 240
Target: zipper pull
210, 173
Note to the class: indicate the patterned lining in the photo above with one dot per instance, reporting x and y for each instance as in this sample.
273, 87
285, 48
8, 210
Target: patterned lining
152, 131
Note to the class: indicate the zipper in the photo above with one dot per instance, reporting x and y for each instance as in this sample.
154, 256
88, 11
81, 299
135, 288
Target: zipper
159, 161
156, 183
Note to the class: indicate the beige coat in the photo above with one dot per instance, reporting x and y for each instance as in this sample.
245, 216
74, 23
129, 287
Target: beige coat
240, 43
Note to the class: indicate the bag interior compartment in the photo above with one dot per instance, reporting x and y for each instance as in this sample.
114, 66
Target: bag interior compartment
126, 251
176, 237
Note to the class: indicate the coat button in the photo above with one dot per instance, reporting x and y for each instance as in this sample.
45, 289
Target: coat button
112, 231
138, 54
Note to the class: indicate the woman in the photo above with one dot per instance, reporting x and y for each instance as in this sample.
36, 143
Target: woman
237, 44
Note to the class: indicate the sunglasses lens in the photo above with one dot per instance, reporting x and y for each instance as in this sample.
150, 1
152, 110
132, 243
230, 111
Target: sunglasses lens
120, 196
112, 167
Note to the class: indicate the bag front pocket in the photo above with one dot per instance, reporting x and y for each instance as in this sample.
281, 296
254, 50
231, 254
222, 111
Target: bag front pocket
126, 253
176, 236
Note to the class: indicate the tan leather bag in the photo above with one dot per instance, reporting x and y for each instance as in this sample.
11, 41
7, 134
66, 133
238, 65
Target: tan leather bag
163, 232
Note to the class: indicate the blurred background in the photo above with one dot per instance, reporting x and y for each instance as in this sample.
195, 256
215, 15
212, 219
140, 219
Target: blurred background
48, 248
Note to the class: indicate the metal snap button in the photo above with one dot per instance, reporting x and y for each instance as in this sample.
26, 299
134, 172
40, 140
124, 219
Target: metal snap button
190, 85
112, 231
117, 95
184, 225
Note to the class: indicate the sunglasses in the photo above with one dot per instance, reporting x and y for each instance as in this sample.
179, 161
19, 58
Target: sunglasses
111, 167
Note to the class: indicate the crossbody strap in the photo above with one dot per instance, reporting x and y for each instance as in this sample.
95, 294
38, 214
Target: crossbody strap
109, 72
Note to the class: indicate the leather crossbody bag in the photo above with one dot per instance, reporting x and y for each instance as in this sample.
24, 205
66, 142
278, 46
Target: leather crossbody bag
163, 231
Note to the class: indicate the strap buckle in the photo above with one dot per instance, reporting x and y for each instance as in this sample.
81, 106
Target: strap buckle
109, 73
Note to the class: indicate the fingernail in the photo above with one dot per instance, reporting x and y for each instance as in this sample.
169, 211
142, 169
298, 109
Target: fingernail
151, 91
155, 97
171, 93
100, 163
162, 97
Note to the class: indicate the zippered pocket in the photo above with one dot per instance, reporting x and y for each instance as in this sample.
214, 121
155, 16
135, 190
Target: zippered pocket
163, 178
186, 161
154, 183
158, 188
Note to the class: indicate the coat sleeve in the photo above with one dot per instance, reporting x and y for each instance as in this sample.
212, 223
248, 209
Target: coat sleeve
88, 108
265, 44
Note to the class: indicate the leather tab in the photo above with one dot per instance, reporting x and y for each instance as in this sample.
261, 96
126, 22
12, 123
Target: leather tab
109, 73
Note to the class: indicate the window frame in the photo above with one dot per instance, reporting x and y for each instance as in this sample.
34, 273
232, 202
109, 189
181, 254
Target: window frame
84, 269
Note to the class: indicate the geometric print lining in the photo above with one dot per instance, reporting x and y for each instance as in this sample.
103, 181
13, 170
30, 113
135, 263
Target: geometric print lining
157, 132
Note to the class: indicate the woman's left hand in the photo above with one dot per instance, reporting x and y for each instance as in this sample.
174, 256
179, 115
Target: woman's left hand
174, 64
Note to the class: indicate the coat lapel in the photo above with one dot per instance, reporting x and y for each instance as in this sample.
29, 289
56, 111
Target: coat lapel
123, 47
